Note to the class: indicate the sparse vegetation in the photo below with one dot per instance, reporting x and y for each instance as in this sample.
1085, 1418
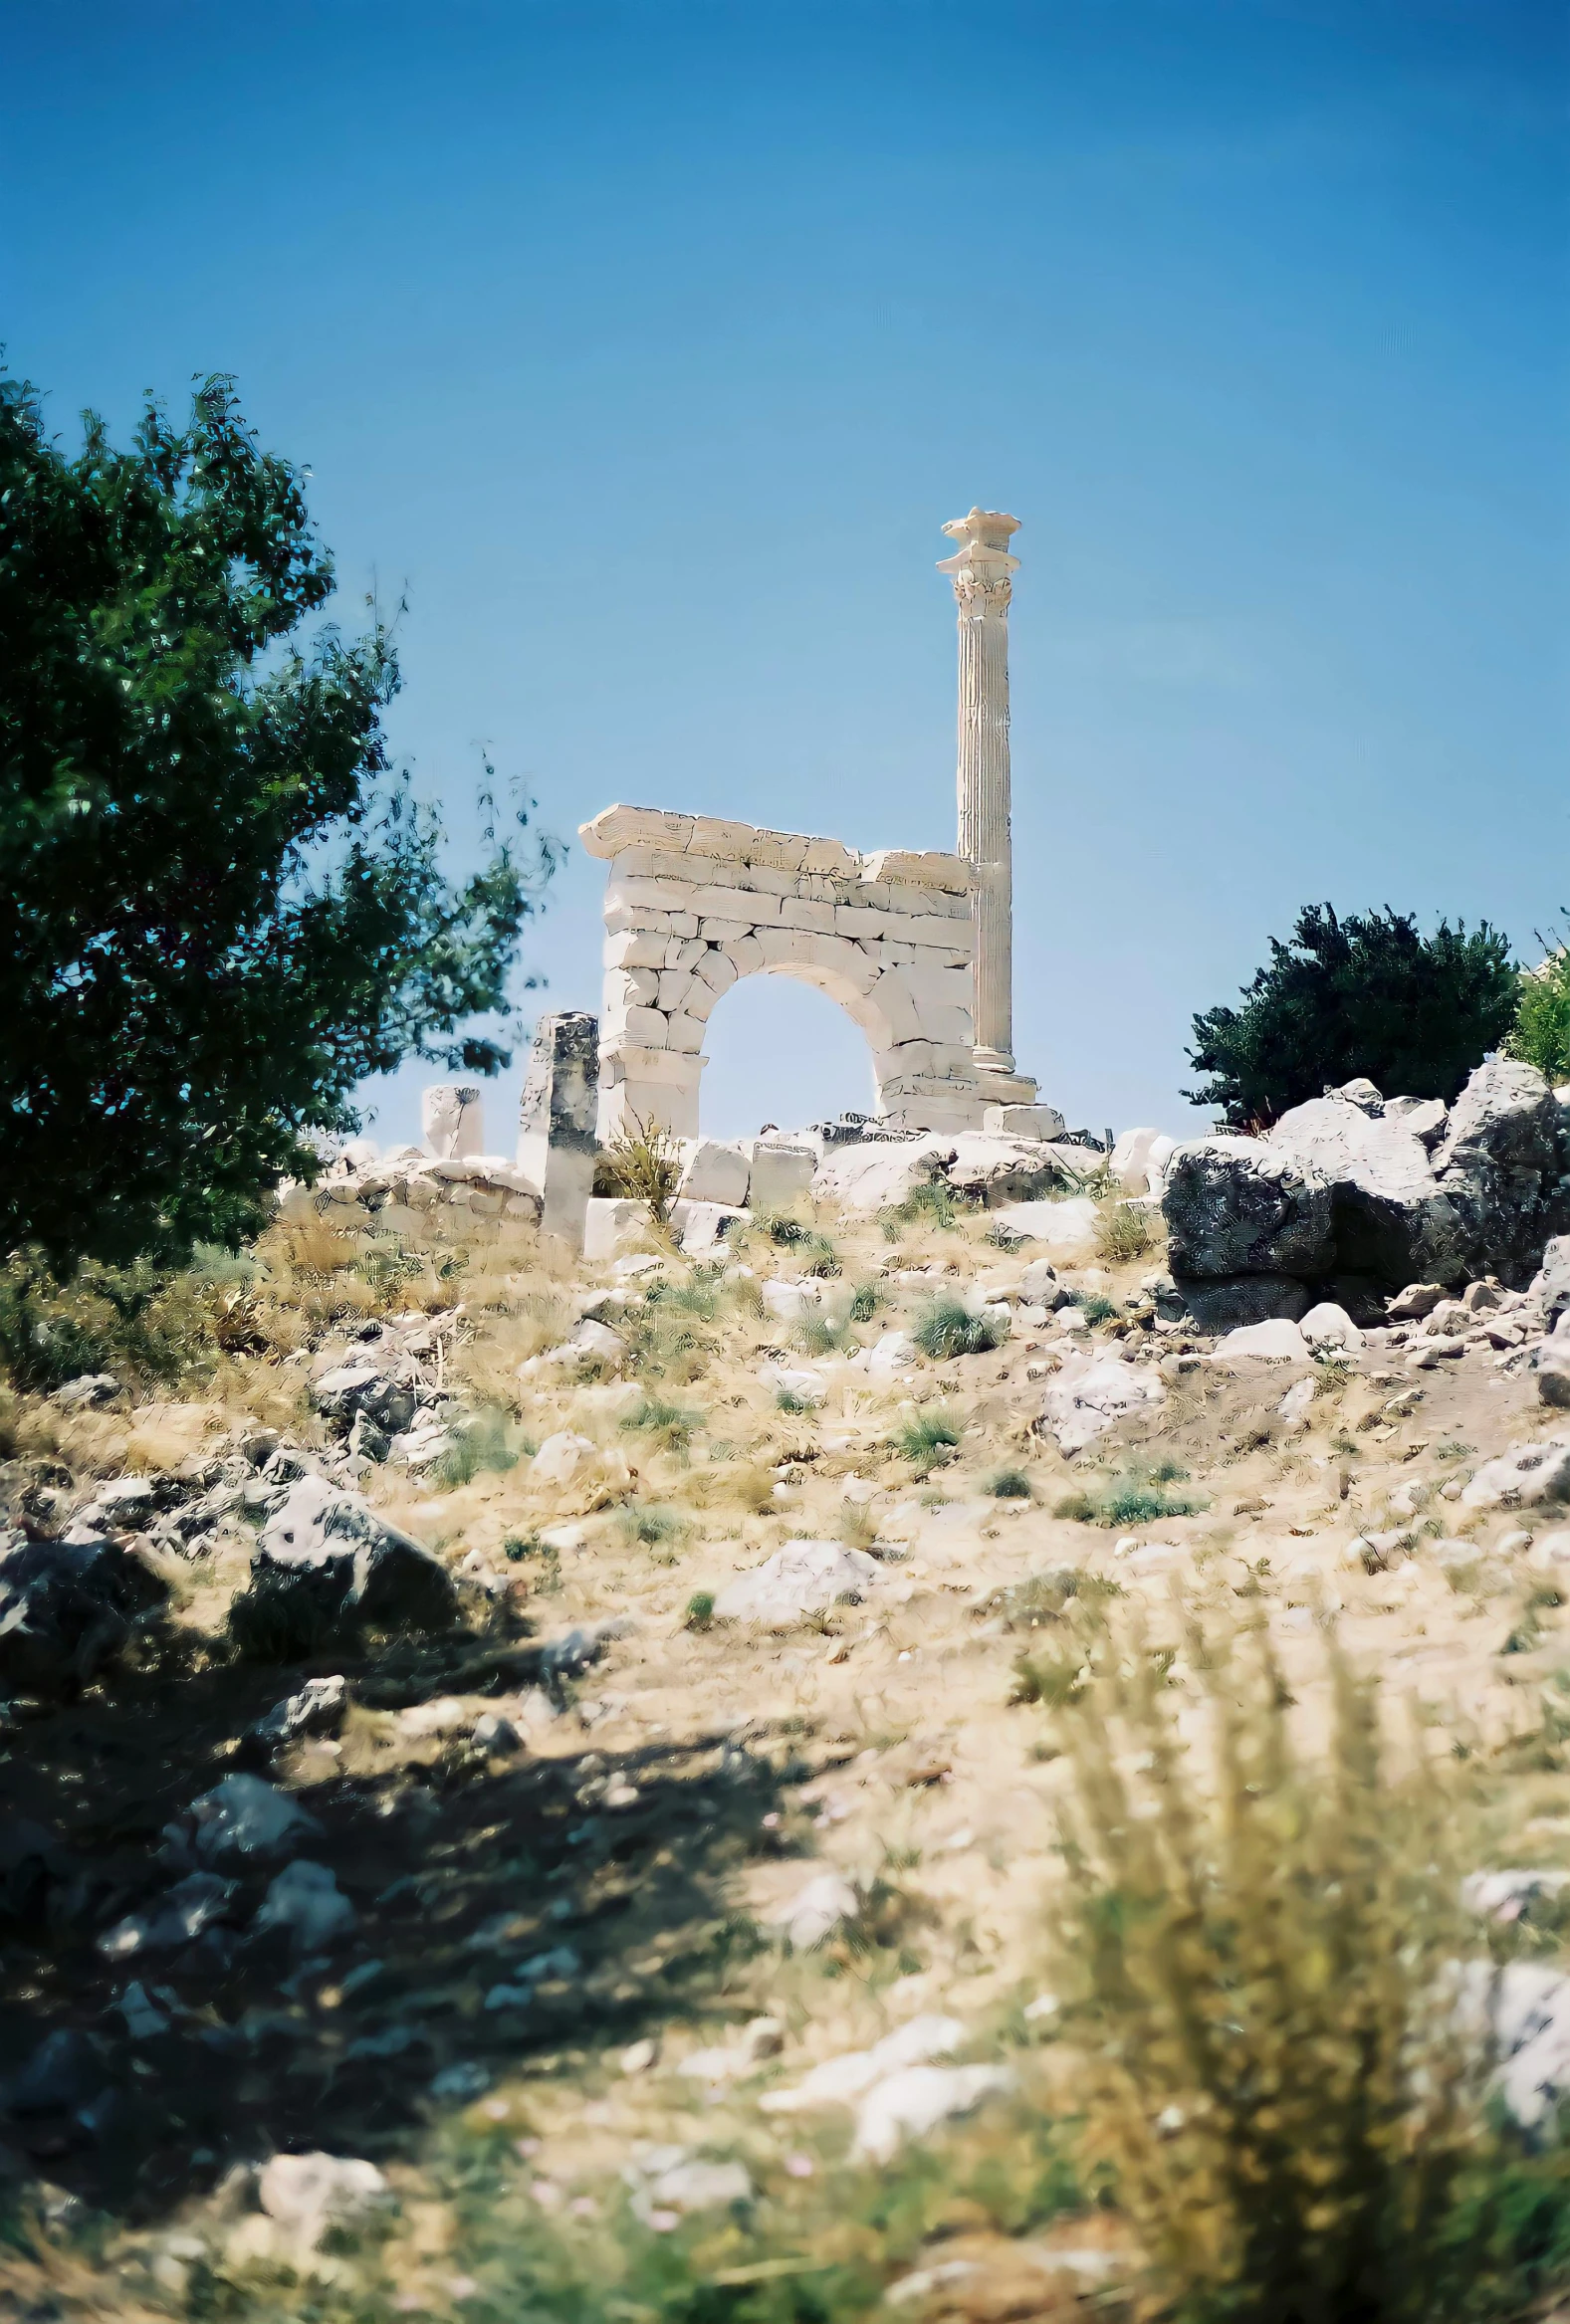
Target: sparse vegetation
1134, 1493
1122, 1234
1254, 1957
1540, 1035
949, 1328
930, 1206
642, 1163
927, 1441
1009, 1485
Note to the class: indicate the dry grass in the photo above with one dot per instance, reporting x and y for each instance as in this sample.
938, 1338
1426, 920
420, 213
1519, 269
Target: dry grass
1256, 1949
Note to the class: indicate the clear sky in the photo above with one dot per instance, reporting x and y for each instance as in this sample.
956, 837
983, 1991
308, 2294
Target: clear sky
646, 347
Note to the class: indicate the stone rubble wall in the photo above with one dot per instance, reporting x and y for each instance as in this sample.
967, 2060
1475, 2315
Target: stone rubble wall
694, 903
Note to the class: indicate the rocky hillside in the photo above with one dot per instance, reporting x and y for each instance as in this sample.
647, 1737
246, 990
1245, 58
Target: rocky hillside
531, 1785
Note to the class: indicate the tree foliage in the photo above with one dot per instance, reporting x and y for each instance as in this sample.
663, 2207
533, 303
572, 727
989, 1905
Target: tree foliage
1367, 996
220, 910
1541, 1033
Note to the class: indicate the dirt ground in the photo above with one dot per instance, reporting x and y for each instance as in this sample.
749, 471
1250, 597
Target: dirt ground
663, 1807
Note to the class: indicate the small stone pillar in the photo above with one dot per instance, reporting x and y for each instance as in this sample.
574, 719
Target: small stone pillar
556, 1122
452, 1117
983, 573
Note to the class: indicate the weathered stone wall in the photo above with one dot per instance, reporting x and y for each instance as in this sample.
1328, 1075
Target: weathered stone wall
694, 903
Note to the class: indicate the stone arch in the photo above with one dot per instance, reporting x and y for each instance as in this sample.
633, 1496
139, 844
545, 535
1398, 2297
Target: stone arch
694, 903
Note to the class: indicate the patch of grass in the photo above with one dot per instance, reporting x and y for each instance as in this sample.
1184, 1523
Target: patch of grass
642, 1163
1134, 1494
674, 1424
780, 1226
1122, 1234
700, 1610
788, 1400
1452, 1449
818, 1257
1250, 1956
1009, 1485
927, 1441
141, 1323
1054, 1680
492, 1440
1096, 1308
864, 1304
821, 1335
653, 1526
948, 1330
932, 1205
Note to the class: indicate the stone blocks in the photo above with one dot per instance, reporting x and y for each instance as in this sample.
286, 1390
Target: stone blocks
695, 903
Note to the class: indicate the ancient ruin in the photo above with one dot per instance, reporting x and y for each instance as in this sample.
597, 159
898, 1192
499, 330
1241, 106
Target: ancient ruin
917, 947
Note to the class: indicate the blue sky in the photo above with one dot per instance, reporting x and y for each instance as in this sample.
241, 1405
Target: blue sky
646, 347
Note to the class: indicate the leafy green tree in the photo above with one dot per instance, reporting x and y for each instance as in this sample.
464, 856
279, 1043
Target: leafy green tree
1541, 1033
220, 910
1362, 997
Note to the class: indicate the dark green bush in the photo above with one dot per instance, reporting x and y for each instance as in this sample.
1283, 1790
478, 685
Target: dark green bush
948, 1329
1365, 995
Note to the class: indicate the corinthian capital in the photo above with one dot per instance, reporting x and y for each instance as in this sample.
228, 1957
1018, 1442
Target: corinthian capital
982, 569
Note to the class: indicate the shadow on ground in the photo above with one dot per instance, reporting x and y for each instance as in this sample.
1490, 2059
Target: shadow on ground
459, 1877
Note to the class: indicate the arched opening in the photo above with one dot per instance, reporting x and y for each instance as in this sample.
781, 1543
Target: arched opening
780, 1051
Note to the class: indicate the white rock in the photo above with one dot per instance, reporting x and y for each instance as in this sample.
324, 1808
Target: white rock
1505, 1896
670, 2180
1523, 2012
308, 2194
913, 2103
306, 1900
816, 1910
1091, 1394
889, 1358
790, 1302
1551, 1548
807, 1387
1521, 1478
703, 1227
1066, 1230
1277, 1341
840, 2079
1295, 1405
610, 1226
1328, 1326
859, 1180
716, 1172
244, 1817
443, 1715
1131, 1160
780, 1175
803, 1577
561, 1458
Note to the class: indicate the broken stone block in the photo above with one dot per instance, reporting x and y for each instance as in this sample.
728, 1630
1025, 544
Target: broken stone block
556, 1122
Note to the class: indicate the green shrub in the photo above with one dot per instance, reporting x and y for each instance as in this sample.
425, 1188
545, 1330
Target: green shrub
491, 1440
146, 1322
642, 1163
1009, 1485
1252, 1956
948, 1329
1134, 1494
1541, 1032
865, 1302
1364, 995
818, 1256
700, 1609
927, 1441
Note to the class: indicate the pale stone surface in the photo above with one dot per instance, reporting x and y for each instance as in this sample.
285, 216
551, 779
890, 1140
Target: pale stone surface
556, 1122
1066, 1230
452, 1117
1279, 1340
716, 1171
610, 1225
780, 1175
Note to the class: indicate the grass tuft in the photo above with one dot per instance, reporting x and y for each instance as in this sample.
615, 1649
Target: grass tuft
927, 1441
1253, 1953
1009, 1485
1122, 1234
1134, 1494
948, 1329
643, 1163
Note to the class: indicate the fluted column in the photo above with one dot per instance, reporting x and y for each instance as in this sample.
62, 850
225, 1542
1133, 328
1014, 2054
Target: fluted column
982, 575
